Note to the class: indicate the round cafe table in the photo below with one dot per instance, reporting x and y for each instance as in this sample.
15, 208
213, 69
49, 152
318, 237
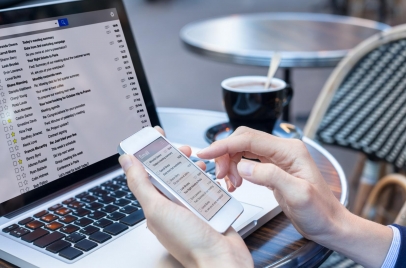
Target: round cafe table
277, 243
302, 39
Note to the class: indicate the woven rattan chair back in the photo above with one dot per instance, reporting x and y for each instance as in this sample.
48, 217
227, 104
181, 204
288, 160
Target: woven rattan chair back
363, 104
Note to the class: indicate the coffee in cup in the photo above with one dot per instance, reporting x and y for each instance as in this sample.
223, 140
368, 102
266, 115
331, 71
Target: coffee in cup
249, 103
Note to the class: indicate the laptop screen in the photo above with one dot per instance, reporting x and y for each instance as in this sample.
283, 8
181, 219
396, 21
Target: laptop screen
70, 90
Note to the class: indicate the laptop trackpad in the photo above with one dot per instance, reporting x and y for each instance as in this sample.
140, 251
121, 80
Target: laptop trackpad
247, 216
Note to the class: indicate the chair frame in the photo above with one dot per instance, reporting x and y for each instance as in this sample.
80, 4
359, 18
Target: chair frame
331, 86
387, 181
342, 70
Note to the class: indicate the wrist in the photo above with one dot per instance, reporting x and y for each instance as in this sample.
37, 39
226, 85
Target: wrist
361, 240
222, 256
333, 227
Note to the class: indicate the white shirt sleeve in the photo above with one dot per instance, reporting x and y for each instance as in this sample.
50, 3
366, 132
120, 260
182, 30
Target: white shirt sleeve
393, 252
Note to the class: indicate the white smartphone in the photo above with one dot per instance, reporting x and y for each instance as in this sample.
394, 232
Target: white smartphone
177, 177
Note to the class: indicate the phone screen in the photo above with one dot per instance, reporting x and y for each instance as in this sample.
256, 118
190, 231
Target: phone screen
173, 168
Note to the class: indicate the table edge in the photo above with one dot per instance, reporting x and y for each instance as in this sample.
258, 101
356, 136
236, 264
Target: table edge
336, 165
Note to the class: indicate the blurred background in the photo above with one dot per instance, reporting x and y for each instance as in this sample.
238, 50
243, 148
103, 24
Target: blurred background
179, 78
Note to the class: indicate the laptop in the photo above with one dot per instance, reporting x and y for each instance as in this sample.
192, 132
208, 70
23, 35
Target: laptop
72, 86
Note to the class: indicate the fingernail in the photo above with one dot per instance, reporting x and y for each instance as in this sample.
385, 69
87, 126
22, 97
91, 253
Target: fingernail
217, 170
245, 168
228, 185
125, 162
233, 180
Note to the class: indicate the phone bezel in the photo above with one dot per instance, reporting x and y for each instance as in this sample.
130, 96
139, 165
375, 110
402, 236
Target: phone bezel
221, 221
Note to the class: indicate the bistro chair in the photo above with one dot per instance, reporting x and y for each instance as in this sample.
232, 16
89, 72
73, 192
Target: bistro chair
363, 107
385, 207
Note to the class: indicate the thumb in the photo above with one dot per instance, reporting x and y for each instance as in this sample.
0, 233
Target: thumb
268, 175
138, 181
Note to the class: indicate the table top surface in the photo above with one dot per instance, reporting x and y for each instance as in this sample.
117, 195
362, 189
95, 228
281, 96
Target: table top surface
303, 39
277, 242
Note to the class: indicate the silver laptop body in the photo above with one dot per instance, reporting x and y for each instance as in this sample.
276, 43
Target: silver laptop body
71, 87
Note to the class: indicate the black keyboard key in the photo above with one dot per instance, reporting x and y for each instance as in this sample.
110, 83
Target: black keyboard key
68, 229
94, 206
75, 237
125, 188
128, 209
10, 228
131, 197
102, 223
109, 208
81, 212
20, 231
115, 228
112, 187
120, 181
107, 183
121, 202
34, 235
136, 203
25, 221
83, 222
40, 214
34, 225
94, 189
100, 193
70, 253
133, 218
68, 219
58, 246
88, 199
48, 239
118, 194
63, 211
85, 245
96, 215
106, 199
54, 207
100, 237
49, 218
89, 230
54, 225
80, 196
67, 201
76, 205
115, 216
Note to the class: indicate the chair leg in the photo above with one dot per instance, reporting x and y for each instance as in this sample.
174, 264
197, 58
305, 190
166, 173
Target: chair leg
380, 193
401, 218
354, 179
369, 177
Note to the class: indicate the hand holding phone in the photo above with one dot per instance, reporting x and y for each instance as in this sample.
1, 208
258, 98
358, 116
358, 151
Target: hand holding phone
177, 177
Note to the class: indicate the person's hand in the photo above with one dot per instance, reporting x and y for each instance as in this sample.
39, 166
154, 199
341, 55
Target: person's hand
286, 168
190, 240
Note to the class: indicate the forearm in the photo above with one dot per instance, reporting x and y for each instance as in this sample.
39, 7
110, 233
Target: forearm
363, 241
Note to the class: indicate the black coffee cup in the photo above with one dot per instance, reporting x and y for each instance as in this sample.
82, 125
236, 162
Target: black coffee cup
248, 103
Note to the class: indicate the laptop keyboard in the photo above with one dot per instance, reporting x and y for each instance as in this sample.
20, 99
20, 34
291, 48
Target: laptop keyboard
82, 223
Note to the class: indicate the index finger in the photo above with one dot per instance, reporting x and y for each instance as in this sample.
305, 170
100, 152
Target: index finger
247, 140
